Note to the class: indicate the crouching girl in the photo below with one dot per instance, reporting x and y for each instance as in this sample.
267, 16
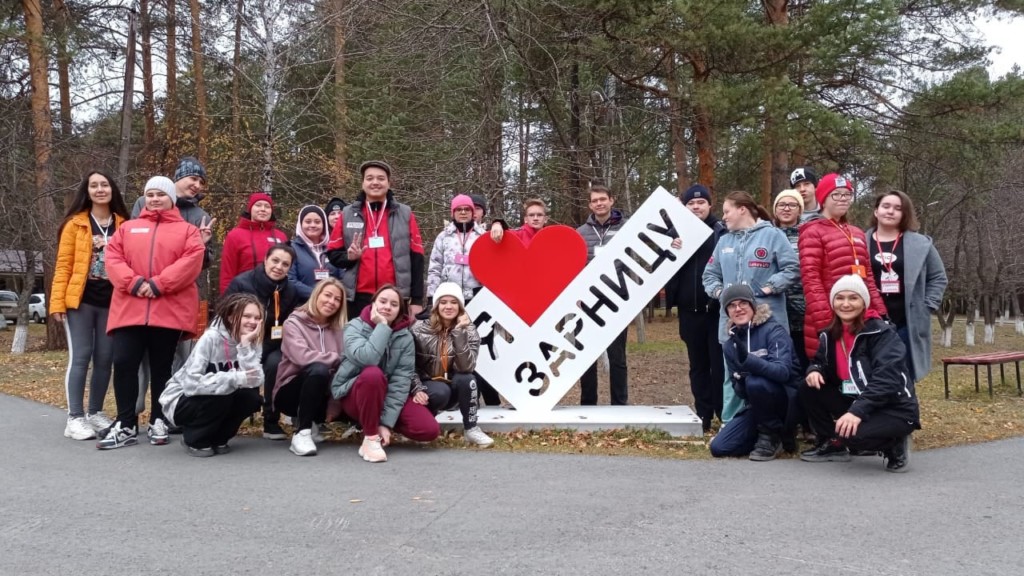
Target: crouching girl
446, 348
759, 357
310, 355
377, 374
218, 386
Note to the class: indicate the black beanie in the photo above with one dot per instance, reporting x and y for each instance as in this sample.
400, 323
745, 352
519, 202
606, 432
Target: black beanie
480, 201
803, 174
334, 204
696, 191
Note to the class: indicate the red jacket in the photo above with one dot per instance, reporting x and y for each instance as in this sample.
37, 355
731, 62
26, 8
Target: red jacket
163, 249
825, 256
245, 247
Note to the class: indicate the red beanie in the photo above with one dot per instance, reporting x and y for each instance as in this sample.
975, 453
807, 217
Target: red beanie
256, 197
828, 184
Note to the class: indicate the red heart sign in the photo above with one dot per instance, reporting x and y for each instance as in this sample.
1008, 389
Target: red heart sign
529, 278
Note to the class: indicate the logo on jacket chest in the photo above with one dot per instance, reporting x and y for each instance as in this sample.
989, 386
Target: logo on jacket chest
761, 255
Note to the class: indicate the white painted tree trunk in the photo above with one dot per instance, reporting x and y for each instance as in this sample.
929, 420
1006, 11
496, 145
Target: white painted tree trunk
20, 341
990, 333
947, 336
969, 334
1018, 325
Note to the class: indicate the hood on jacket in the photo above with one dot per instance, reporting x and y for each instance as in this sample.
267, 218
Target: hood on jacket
401, 322
757, 226
613, 218
761, 315
325, 236
172, 215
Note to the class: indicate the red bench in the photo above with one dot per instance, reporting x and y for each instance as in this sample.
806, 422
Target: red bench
987, 360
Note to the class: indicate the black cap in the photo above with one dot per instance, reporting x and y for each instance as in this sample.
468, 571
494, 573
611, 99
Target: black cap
803, 174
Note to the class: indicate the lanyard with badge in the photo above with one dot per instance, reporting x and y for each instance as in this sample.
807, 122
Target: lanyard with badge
462, 258
856, 268
849, 386
276, 332
600, 239
376, 240
320, 272
104, 230
890, 281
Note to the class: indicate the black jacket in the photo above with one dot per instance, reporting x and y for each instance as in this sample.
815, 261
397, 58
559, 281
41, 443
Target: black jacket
686, 288
257, 283
877, 367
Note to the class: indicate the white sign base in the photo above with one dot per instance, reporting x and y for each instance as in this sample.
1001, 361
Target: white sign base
675, 420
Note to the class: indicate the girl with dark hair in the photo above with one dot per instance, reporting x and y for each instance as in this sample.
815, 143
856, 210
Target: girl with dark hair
377, 374
218, 386
80, 298
858, 395
754, 253
269, 283
310, 355
908, 273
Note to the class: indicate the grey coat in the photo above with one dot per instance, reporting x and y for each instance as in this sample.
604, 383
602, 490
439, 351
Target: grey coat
924, 279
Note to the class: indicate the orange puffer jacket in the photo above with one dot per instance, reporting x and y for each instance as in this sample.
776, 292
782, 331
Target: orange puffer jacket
165, 250
825, 256
74, 256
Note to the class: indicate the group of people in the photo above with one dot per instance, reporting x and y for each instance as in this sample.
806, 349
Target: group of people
798, 318
350, 319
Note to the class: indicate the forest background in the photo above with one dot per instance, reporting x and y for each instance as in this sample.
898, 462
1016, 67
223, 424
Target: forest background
520, 98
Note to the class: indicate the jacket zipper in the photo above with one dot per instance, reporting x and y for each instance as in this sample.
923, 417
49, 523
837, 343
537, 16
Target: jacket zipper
152, 251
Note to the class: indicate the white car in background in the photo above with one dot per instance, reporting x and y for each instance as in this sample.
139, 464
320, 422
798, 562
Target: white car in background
37, 308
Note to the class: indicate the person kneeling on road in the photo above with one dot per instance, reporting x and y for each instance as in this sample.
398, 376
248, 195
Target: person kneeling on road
759, 356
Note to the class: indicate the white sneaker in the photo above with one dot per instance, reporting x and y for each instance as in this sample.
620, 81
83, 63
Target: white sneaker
477, 437
372, 451
99, 421
302, 444
157, 432
315, 432
78, 429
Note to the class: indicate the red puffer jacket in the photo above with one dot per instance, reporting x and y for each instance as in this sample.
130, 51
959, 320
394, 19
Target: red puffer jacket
245, 247
162, 248
826, 255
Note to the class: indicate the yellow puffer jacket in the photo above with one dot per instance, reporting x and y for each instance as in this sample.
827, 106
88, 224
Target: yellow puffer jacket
74, 254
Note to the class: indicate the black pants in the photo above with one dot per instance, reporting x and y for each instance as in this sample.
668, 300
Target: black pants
208, 421
462, 392
271, 360
699, 330
131, 344
879, 431
618, 374
305, 396
360, 301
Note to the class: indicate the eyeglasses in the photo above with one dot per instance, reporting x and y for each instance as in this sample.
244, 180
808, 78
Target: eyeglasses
842, 195
787, 206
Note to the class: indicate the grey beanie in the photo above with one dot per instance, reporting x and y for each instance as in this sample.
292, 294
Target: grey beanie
737, 292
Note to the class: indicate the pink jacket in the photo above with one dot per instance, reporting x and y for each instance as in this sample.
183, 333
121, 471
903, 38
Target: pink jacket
304, 343
166, 251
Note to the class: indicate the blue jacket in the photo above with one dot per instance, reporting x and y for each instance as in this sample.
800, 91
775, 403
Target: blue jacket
760, 256
303, 270
767, 353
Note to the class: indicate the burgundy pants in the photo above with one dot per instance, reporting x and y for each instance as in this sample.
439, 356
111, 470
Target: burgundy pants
365, 401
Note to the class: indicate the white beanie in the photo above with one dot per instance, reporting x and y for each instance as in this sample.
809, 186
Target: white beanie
449, 289
163, 184
850, 283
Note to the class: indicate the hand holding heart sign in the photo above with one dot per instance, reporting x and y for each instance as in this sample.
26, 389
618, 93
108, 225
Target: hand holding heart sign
529, 278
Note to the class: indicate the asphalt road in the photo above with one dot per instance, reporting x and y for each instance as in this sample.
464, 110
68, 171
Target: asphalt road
68, 508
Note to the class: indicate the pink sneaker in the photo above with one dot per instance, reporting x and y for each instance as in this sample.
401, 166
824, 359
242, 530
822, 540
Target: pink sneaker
371, 450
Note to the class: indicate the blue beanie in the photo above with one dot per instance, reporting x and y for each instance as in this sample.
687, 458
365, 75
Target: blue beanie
189, 166
696, 191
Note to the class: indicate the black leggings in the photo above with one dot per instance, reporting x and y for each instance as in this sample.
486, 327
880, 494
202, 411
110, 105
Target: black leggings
879, 431
305, 396
131, 344
462, 392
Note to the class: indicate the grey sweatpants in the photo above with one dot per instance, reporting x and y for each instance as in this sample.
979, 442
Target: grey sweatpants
86, 330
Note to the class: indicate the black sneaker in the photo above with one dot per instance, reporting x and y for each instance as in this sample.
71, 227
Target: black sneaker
222, 449
897, 458
767, 447
828, 451
197, 452
272, 430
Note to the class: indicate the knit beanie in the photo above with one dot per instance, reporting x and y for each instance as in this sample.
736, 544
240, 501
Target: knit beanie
850, 283
375, 164
830, 183
256, 197
334, 204
789, 193
803, 174
696, 191
479, 201
449, 289
311, 209
189, 166
737, 292
163, 184
461, 201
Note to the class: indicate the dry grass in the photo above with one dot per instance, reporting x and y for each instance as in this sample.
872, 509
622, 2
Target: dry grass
657, 376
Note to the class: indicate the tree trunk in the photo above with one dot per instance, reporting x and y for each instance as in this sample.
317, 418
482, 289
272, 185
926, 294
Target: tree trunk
197, 68
989, 315
236, 103
703, 128
340, 104
677, 131
171, 106
576, 176
946, 316
972, 313
42, 138
20, 341
148, 104
63, 19
127, 103
1018, 319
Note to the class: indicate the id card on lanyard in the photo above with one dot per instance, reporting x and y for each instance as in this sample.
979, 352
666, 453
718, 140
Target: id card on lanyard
375, 240
276, 332
849, 386
889, 283
857, 268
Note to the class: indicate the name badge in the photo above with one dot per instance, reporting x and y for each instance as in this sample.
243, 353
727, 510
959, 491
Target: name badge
859, 270
890, 286
139, 230
321, 273
850, 388
376, 242
462, 259
354, 225
276, 332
